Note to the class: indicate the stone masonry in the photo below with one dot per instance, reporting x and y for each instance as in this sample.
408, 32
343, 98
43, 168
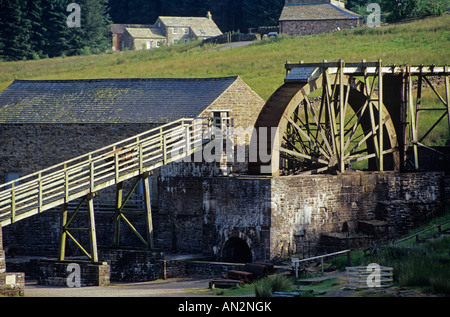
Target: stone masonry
11, 284
310, 27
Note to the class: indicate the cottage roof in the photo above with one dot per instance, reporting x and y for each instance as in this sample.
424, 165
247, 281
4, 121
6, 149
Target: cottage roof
146, 33
202, 27
109, 100
315, 11
120, 28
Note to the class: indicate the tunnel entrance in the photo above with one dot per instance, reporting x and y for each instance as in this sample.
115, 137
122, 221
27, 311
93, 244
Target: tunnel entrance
236, 250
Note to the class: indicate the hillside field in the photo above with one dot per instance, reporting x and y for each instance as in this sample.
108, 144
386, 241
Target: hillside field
260, 65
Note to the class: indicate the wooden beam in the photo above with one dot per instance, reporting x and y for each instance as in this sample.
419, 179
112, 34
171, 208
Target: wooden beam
412, 120
92, 231
63, 233
447, 93
341, 117
119, 197
148, 210
380, 117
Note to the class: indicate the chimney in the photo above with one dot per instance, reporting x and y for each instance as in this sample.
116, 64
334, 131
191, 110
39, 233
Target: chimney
209, 15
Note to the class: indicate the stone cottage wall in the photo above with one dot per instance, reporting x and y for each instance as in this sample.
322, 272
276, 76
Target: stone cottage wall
309, 27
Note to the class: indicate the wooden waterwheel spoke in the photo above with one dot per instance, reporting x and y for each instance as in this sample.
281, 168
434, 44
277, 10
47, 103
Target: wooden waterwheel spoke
356, 125
341, 130
364, 139
319, 127
307, 137
308, 128
305, 156
330, 111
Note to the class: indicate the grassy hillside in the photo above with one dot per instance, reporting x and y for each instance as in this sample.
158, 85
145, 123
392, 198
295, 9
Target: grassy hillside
260, 65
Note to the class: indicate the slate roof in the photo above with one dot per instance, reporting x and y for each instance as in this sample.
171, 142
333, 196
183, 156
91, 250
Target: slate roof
315, 11
195, 23
120, 28
145, 33
109, 100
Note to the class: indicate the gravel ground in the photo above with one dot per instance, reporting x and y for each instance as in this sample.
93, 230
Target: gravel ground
169, 288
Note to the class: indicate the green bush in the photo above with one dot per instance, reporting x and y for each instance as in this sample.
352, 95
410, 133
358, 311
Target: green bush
266, 286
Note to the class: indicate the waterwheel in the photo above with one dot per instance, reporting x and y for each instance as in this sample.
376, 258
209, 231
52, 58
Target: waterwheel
320, 122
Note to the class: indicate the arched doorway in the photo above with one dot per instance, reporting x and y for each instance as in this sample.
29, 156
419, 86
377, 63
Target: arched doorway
236, 250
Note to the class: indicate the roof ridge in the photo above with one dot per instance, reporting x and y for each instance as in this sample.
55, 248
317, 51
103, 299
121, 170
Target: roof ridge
124, 79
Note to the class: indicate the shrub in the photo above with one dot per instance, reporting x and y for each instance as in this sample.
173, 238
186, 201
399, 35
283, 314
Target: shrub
270, 284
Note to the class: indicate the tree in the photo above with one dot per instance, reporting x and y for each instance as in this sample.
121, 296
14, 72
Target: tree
398, 10
14, 30
262, 13
93, 34
57, 34
37, 32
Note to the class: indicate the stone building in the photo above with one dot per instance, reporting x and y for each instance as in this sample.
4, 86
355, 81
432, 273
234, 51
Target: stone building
165, 31
196, 209
47, 122
117, 31
306, 17
143, 38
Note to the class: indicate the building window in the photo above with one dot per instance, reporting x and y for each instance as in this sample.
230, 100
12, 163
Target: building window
186, 31
175, 31
186, 40
158, 43
175, 41
10, 176
202, 31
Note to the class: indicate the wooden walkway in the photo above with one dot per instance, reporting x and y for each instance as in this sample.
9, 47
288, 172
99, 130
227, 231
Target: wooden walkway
94, 171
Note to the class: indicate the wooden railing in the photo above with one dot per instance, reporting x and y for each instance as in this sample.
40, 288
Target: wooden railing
89, 173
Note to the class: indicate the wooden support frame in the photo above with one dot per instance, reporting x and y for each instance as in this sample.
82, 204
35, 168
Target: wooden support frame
120, 212
65, 230
343, 132
395, 120
413, 109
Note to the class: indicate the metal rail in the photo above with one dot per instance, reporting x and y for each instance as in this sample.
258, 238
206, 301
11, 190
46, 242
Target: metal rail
295, 261
94, 171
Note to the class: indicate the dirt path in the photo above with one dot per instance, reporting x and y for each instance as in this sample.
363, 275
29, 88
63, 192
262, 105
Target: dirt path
169, 288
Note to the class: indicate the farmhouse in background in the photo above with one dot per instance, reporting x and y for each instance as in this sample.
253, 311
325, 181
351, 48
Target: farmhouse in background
306, 17
166, 31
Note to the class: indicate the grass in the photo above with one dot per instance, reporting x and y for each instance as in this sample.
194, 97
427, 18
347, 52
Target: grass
268, 285
260, 65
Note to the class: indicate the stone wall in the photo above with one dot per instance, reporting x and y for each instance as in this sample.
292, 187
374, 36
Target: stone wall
282, 216
2, 254
274, 216
200, 214
309, 27
56, 273
27, 148
132, 265
11, 284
